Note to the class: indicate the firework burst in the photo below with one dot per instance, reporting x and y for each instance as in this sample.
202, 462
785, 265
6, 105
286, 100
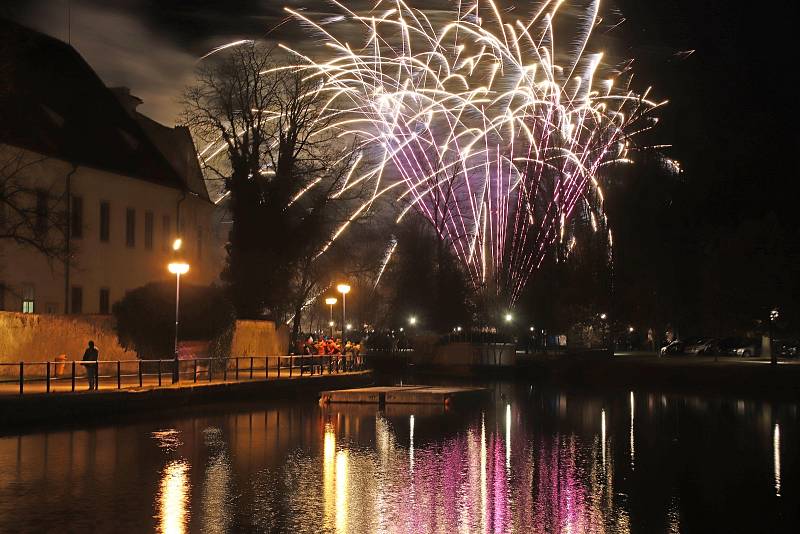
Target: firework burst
485, 126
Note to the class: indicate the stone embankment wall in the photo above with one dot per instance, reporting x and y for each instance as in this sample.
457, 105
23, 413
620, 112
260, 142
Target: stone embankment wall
41, 338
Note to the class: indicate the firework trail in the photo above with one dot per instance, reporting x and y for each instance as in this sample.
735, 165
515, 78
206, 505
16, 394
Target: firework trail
485, 126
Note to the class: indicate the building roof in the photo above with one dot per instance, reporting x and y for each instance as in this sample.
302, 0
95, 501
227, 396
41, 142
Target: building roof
53, 103
175, 144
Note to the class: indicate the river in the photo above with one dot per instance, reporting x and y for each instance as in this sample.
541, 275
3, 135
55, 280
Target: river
534, 459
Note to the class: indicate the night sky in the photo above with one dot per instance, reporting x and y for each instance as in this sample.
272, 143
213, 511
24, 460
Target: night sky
725, 67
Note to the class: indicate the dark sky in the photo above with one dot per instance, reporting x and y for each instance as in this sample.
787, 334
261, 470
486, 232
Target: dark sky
732, 101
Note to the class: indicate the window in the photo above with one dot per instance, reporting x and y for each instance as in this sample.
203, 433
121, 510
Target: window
76, 218
199, 242
77, 299
165, 242
41, 211
104, 300
27, 299
105, 221
130, 227
148, 230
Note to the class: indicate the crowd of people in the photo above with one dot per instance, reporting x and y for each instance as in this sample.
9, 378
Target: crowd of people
329, 346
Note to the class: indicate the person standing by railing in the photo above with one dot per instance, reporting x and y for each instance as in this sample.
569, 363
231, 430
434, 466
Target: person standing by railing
91, 354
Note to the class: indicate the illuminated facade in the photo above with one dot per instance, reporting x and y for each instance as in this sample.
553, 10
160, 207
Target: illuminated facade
114, 187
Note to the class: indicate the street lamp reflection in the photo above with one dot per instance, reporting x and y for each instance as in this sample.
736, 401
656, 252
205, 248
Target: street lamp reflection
173, 498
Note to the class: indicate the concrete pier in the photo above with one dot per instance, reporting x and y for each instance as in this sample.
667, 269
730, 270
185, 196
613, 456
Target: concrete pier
411, 394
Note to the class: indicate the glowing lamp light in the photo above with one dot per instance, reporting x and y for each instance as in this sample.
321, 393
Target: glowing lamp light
178, 267
603, 316
531, 329
177, 244
330, 301
330, 323
458, 329
344, 289
509, 317
630, 329
412, 320
349, 327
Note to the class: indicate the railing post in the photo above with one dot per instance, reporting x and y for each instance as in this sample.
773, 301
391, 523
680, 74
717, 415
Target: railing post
278, 358
291, 364
21, 377
210, 370
97, 376
119, 375
237, 368
159, 371
225, 369
195, 370
251, 367
48, 376
139, 372
73, 376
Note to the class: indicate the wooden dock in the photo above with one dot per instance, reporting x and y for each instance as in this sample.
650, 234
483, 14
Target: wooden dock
411, 394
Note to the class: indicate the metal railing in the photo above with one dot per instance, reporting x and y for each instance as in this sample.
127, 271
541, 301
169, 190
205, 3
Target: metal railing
48, 377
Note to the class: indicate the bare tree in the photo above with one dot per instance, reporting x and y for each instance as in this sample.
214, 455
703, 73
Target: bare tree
30, 216
266, 137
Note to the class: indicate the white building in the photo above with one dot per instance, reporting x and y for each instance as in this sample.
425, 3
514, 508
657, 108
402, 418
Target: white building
113, 186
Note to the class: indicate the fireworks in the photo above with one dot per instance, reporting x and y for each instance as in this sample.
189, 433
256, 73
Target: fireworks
485, 126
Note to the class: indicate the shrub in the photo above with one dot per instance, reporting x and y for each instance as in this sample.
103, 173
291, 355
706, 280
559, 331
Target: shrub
146, 319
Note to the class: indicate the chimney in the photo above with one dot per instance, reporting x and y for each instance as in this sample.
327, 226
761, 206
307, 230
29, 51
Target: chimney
128, 101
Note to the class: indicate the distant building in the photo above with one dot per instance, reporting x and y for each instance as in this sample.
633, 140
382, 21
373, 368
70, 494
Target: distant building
123, 186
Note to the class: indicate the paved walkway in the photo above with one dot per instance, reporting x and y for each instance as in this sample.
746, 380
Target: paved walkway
63, 384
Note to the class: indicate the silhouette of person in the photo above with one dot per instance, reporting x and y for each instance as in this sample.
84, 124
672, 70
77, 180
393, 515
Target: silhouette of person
91, 354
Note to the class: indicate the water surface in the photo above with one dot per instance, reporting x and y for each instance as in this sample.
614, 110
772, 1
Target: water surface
532, 460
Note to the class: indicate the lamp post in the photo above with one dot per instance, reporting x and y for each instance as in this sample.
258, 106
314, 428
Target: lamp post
330, 301
344, 289
773, 354
177, 267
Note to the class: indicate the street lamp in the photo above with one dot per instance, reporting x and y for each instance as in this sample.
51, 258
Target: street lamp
330, 301
412, 320
603, 316
177, 267
344, 289
773, 354
509, 317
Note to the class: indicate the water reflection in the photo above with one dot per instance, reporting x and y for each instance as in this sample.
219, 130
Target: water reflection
173, 498
216, 514
776, 457
539, 461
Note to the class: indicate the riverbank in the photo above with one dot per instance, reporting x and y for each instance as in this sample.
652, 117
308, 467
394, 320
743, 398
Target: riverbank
65, 408
680, 373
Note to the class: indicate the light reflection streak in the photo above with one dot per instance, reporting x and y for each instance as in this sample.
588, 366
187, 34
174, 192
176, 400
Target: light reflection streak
603, 435
341, 491
173, 498
633, 454
328, 475
483, 473
508, 436
411, 444
776, 457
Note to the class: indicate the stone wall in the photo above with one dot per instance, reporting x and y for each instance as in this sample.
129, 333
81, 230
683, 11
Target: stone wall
260, 338
41, 338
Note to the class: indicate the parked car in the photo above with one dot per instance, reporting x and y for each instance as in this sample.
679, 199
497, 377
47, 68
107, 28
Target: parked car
726, 346
788, 348
700, 346
672, 348
747, 348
